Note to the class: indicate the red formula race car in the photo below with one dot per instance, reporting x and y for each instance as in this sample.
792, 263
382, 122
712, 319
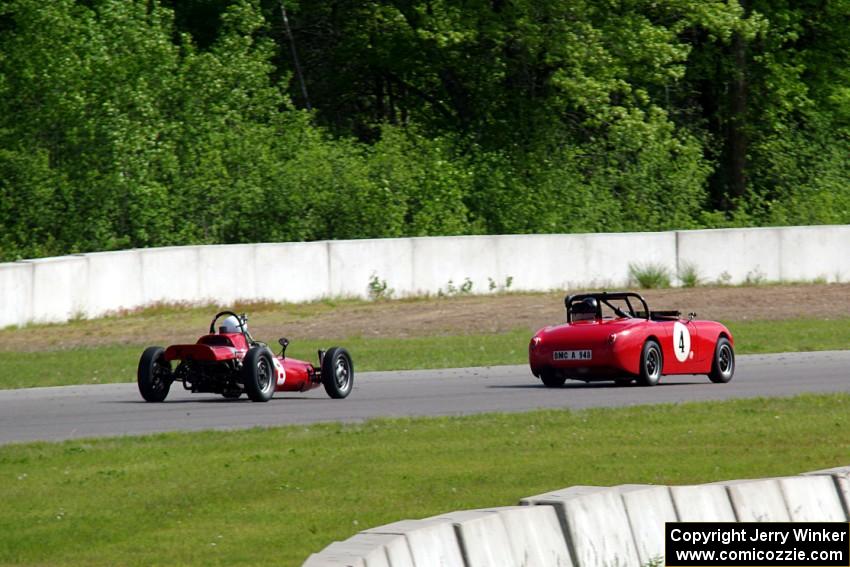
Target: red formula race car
615, 336
230, 362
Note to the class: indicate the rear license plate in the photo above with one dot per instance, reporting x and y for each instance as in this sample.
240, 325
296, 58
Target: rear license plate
573, 354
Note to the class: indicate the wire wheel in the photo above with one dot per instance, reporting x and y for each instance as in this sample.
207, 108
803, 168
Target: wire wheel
337, 372
651, 364
258, 374
342, 373
723, 366
264, 375
154, 376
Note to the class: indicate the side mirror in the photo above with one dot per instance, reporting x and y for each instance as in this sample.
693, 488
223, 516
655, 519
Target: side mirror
283, 342
692, 316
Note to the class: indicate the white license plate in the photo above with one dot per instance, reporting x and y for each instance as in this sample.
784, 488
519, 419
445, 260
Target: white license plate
573, 354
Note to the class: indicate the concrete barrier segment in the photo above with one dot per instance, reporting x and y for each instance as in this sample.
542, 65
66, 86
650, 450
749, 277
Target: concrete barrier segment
16, 287
732, 255
170, 275
59, 288
648, 508
815, 252
114, 282
227, 273
438, 260
292, 271
758, 500
702, 503
813, 498
484, 540
596, 526
353, 264
536, 536
331, 558
554, 498
374, 550
394, 551
557, 495
841, 477
431, 541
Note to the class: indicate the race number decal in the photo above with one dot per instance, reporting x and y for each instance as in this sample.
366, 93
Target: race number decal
681, 342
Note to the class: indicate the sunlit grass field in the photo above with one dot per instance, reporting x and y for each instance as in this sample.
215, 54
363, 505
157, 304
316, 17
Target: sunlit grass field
273, 496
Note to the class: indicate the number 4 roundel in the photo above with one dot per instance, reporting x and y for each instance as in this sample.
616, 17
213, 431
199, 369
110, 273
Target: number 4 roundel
681, 342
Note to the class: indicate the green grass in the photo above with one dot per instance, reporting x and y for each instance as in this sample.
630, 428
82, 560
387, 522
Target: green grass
118, 363
791, 335
649, 276
272, 496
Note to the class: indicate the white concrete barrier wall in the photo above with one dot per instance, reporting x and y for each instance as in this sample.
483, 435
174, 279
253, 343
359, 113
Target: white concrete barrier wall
59, 288
589, 526
114, 282
16, 293
89, 285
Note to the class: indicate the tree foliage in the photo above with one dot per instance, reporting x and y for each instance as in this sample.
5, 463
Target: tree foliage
143, 123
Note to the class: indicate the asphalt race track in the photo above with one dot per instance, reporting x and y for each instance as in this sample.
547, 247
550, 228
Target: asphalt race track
73, 412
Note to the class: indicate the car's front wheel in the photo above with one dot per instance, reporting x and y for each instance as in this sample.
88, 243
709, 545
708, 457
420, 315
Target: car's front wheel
154, 375
723, 365
258, 374
337, 373
651, 364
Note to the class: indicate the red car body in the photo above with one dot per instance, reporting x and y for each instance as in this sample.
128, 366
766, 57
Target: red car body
290, 374
229, 362
613, 345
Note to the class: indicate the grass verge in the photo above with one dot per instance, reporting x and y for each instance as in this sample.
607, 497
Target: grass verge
272, 496
118, 363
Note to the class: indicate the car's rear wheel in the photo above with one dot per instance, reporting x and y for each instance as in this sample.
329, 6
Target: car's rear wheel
337, 372
552, 380
723, 365
651, 364
154, 375
258, 374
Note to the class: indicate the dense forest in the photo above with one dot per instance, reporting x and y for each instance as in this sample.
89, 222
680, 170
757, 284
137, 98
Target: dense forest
133, 123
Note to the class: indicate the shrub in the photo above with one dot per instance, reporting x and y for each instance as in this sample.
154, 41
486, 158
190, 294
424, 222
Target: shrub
688, 275
649, 276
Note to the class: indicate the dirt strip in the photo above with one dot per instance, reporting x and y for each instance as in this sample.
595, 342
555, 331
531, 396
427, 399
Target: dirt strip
469, 314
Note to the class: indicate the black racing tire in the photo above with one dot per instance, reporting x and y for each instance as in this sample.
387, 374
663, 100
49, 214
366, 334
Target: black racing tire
723, 364
154, 375
552, 380
258, 374
337, 373
651, 364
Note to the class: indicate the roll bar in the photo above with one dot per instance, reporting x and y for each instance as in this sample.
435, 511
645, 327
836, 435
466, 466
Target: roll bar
605, 297
243, 319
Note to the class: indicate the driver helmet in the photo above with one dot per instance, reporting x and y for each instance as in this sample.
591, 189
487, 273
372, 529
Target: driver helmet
584, 310
231, 325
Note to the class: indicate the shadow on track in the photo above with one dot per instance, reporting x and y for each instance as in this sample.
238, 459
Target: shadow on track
590, 386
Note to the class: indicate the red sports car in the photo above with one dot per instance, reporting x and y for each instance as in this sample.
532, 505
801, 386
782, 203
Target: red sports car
615, 336
228, 361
